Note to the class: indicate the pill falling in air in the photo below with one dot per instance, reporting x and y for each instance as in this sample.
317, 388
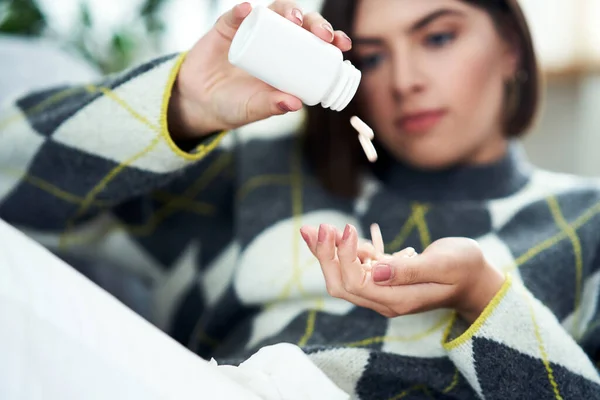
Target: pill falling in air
365, 137
362, 128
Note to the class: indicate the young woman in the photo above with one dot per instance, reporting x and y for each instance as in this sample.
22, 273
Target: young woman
252, 240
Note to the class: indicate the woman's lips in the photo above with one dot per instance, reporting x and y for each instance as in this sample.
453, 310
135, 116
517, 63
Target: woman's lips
420, 122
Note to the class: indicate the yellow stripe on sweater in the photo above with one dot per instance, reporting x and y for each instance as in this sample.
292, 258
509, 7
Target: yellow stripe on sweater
474, 328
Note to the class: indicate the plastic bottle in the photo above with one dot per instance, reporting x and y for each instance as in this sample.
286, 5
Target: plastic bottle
293, 60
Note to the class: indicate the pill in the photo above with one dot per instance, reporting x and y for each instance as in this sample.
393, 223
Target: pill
365, 136
368, 148
362, 128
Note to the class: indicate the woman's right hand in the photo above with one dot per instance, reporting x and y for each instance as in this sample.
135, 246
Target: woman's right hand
212, 95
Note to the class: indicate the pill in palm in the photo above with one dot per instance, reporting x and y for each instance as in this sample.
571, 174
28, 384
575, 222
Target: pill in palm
377, 239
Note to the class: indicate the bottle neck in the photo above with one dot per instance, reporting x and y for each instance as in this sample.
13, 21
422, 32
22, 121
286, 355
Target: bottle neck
344, 88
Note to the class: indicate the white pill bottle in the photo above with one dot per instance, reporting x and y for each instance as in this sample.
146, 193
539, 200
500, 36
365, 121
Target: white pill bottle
293, 60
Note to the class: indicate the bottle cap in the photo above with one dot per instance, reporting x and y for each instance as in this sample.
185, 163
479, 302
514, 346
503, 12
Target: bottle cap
344, 88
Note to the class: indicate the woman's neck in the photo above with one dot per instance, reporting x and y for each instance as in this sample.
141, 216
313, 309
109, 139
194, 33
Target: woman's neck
491, 151
502, 175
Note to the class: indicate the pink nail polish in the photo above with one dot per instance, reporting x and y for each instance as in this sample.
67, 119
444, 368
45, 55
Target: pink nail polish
298, 15
347, 232
327, 26
305, 237
382, 273
284, 107
322, 234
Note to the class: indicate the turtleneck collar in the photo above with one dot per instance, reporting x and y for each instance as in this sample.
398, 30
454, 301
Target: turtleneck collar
473, 182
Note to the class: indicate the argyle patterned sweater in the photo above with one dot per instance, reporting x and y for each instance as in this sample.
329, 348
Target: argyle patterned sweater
92, 173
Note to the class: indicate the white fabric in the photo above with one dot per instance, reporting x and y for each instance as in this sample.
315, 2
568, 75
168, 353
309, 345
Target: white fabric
64, 338
33, 63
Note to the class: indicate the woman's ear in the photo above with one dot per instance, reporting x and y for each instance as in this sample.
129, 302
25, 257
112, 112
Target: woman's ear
511, 57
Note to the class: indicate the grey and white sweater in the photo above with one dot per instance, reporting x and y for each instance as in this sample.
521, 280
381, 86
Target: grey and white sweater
92, 173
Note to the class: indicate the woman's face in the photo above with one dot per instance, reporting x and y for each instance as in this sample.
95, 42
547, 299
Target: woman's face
433, 80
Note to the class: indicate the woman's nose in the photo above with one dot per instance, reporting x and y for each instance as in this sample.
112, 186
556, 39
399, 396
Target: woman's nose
407, 77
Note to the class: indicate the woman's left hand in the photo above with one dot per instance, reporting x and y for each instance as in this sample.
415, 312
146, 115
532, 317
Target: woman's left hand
450, 273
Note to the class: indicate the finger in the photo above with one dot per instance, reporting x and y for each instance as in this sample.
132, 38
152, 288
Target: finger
327, 257
318, 25
403, 300
288, 9
342, 41
268, 103
324, 249
326, 254
354, 275
407, 269
321, 241
309, 234
229, 22
335, 288
348, 246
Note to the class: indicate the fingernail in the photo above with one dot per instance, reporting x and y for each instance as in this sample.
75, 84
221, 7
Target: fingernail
284, 107
305, 237
327, 26
347, 37
322, 234
382, 273
298, 15
346, 234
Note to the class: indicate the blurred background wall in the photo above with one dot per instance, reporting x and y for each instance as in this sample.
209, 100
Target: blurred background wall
54, 41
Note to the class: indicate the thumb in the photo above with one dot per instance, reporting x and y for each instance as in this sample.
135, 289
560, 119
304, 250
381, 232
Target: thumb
403, 268
228, 23
310, 235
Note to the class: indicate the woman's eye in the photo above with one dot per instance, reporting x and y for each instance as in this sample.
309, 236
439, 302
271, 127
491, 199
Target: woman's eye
439, 39
370, 61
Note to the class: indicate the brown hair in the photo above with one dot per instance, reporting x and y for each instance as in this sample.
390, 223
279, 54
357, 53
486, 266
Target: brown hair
330, 144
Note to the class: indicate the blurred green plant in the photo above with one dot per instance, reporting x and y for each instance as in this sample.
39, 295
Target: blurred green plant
127, 42
21, 17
